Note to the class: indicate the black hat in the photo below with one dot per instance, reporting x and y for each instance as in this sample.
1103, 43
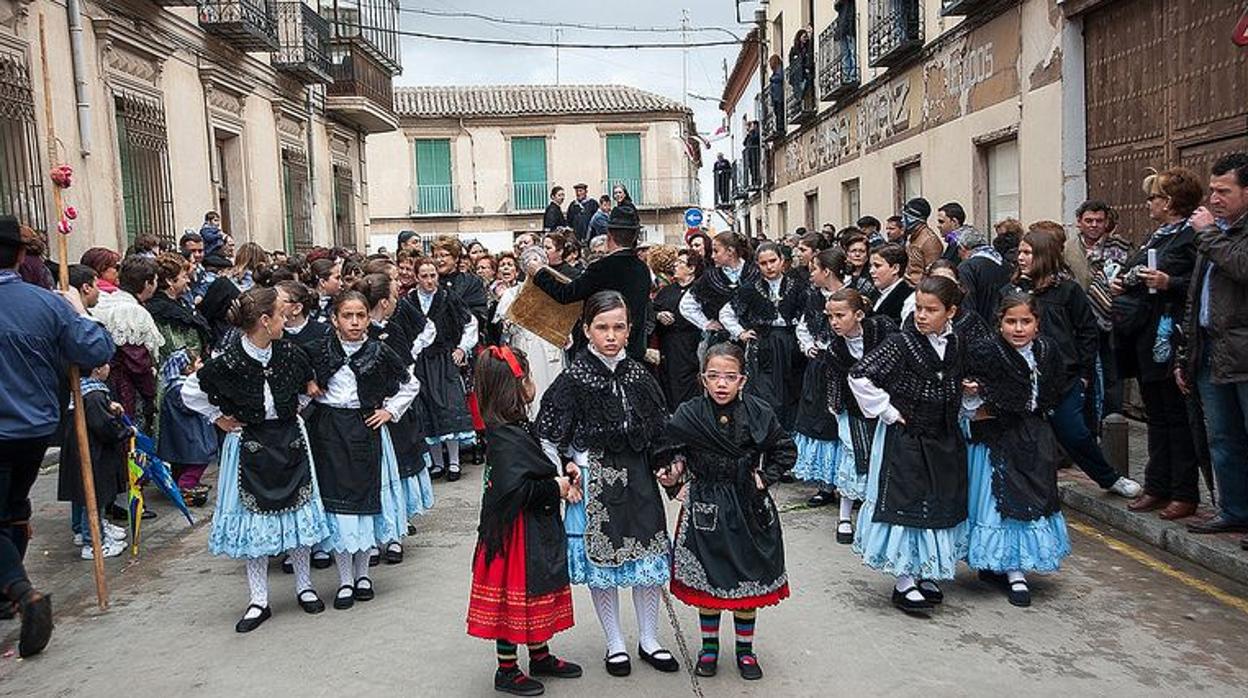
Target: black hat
624, 217
10, 232
918, 208
216, 262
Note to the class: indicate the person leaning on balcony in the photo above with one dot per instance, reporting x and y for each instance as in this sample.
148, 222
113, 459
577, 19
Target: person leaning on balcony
922, 245
620, 270
802, 62
776, 91
554, 217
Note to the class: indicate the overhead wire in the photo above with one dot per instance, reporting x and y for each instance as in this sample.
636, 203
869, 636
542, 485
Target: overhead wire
549, 44
458, 14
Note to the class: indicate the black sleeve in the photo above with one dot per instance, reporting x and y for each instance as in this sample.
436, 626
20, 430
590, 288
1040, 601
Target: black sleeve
580, 288
781, 453
103, 426
1083, 326
540, 494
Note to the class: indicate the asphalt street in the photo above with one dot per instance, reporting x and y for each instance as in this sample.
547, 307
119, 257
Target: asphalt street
1120, 619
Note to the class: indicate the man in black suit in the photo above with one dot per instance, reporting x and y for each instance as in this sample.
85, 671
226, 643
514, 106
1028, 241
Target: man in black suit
620, 270
554, 211
580, 211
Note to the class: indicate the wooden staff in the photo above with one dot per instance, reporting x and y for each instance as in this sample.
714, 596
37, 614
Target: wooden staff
80, 418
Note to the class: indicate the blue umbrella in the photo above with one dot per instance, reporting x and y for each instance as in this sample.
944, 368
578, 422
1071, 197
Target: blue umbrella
157, 472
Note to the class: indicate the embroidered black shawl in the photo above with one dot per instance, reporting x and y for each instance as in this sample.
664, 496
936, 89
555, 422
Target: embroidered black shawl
925, 389
840, 362
378, 369
592, 407
234, 382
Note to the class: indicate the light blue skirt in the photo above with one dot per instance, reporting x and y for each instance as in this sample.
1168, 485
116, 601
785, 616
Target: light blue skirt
238, 532
465, 438
353, 533
1003, 545
849, 483
418, 491
817, 460
924, 553
655, 570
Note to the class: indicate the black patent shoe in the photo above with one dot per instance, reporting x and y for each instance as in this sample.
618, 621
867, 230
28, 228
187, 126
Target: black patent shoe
311, 606
555, 667
517, 684
321, 560
246, 625
364, 593
843, 536
1020, 594
931, 591
747, 664
436, 472
287, 566
822, 498
708, 664
341, 602
905, 603
666, 664
787, 477
393, 554
374, 557
623, 668
453, 472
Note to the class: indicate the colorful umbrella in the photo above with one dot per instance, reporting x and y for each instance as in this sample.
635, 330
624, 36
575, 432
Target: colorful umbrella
145, 466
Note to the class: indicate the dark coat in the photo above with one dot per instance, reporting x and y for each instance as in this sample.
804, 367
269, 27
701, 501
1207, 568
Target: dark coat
619, 271
1225, 256
579, 215
893, 303
983, 277
1066, 318
554, 217
109, 439
1176, 256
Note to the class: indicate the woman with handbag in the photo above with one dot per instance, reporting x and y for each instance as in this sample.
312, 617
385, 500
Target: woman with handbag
1148, 308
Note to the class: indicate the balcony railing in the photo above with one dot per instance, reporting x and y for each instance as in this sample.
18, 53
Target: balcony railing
303, 42
248, 24
356, 74
799, 106
949, 8
745, 179
895, 31
430, 199
657, 192
373, 23
838, 60
528, 196
766, 116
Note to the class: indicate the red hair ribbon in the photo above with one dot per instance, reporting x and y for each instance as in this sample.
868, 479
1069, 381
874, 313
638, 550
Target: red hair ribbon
504, 353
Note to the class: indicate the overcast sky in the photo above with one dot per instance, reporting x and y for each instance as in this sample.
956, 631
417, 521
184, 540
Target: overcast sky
429, 62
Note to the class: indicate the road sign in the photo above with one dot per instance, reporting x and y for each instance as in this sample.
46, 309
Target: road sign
693, 217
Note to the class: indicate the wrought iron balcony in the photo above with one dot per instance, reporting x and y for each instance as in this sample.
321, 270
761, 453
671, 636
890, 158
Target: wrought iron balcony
766, 116
895, 31
799, 106
373, 24
362, 91
248, 24
303, 42
838, 61
949, 8
656, 192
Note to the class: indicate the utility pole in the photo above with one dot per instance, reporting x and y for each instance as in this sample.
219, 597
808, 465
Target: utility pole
557, 34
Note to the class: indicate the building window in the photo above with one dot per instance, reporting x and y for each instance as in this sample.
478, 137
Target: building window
782, 220
143, 150
909, 183
851, 201
530, 190
435, 192
344, 207
1001, 173
624, 164
812, 211
298, 202
21, 176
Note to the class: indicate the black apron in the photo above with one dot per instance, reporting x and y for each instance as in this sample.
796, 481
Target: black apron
274, 472
625, 519
348, 460
1024, 453
923, 479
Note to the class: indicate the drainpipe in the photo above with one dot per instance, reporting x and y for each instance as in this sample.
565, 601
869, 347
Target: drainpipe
472, 158
73, 11
307, 101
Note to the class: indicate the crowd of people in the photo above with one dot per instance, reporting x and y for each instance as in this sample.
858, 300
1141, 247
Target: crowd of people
930, 378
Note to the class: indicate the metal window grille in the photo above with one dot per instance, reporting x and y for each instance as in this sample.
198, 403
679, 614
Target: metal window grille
21, 173
344, 207
895, 31
146, 181
838, 54
298, 200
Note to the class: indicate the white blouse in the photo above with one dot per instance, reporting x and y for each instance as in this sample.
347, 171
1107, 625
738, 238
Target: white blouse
197, 400
344, 393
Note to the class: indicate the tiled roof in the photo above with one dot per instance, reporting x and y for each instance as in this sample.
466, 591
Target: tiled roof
528, 100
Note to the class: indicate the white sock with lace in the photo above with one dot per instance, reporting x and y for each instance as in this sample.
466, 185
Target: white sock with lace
904, 582
435, 455
847, 508
646, 603
257, 584
361, 566
301, 561
607, 605
1015, 576
343, 562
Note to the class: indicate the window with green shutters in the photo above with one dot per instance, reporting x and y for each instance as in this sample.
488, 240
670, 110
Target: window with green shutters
143, 158
435, 192
529, 189
624, 163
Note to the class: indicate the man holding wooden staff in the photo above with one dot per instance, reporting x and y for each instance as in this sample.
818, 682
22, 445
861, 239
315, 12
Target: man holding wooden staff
39, 334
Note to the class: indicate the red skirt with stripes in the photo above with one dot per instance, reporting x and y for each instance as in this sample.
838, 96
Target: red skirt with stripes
500, 607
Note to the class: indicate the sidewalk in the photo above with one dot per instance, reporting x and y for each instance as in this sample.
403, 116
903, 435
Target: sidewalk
1218, 553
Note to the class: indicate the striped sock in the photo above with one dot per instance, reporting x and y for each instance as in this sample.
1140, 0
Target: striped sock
506, 655
539, 652
709, 620
743, 622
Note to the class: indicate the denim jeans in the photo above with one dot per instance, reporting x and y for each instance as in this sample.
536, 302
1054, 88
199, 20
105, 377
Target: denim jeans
1073, 434
1226, 415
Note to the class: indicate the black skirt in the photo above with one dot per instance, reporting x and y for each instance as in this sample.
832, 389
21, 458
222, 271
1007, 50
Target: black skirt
923, 479
348, 460
442, 396
814, 419
769, 361
626, 520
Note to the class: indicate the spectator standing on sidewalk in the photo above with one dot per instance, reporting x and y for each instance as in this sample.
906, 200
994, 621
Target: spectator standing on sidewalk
922, 245
1149, 296
1216, 357
38, 331
554, 217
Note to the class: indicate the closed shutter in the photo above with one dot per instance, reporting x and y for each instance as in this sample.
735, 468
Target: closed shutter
528, 170
624, 163
434, 190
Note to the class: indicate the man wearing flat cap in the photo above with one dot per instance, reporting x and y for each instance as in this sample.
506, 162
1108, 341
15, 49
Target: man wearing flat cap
581, 211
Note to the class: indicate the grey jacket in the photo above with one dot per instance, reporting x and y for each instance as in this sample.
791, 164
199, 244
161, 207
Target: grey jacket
1224, 255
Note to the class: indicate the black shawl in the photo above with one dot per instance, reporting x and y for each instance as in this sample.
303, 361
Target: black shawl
446, 311
167, 311
875, 330
378, 370
713, 290
234, 382
925, 389
520, 481
592, 407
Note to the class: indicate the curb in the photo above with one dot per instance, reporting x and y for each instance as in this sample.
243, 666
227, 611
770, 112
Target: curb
1217, 553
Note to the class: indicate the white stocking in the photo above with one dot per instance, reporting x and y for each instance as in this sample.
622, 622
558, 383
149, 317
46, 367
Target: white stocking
452, 452
904, 582
343, 562
301, 560
435, 455
258, 584
361, 565
646, 604
607, 604
847, 508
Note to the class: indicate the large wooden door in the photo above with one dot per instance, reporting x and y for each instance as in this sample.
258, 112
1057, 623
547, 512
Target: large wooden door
1165, 86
